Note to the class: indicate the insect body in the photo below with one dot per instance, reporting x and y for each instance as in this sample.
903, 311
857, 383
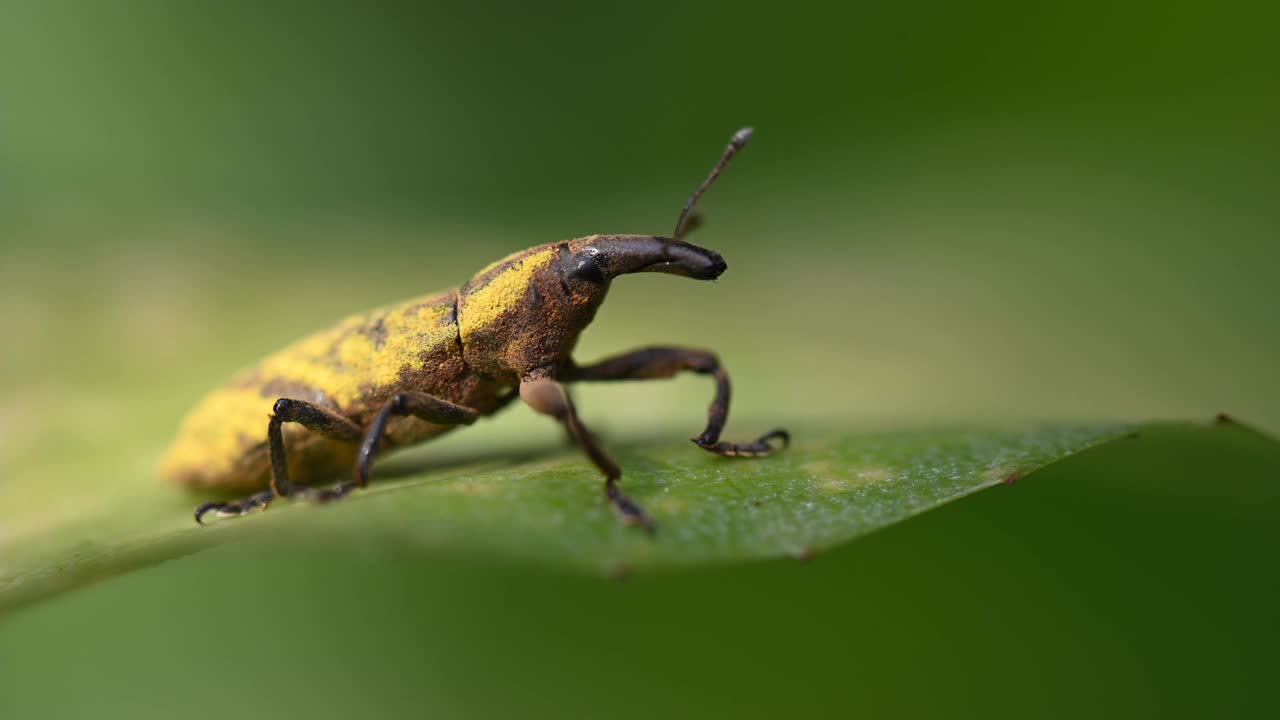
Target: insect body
403, 374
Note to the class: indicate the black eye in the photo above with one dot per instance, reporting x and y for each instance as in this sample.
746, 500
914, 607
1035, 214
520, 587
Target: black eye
584, 267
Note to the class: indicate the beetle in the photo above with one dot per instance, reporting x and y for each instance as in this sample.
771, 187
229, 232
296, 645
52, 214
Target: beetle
406, 373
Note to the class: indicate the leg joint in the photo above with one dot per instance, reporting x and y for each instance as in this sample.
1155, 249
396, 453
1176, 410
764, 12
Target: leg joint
704, 363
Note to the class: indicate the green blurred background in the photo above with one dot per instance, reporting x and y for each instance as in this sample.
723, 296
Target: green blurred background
982, 213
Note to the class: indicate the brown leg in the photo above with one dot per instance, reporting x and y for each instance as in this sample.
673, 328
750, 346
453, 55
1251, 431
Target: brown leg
420, 405
313, 417
665, 362
548, 397
330, 424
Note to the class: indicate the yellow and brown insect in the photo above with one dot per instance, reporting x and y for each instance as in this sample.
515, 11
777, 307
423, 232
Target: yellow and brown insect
403, 374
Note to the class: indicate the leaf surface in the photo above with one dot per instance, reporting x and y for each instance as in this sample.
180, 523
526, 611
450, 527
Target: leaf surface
546, 507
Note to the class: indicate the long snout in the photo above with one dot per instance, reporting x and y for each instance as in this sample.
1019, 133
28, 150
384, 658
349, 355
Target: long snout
623, 254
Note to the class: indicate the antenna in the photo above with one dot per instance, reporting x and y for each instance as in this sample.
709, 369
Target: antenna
736, 143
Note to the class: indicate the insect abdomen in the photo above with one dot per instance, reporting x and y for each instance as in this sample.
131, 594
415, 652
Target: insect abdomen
352, 369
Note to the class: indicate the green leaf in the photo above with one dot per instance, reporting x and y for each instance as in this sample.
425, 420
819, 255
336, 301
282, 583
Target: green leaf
546, 508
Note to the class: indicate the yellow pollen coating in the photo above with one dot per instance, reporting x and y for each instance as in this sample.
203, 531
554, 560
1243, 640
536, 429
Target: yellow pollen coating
340, 366
504, 291
205, 446
344, 362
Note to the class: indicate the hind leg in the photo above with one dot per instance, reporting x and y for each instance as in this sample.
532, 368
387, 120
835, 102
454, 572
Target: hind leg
332, 425
313, 417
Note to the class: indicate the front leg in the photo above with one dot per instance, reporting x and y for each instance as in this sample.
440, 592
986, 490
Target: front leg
665, 362
548, 397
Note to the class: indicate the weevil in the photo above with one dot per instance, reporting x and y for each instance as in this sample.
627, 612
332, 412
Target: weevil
406, 373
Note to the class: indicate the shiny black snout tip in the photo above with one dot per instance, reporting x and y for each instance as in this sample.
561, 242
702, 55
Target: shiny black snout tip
717, 267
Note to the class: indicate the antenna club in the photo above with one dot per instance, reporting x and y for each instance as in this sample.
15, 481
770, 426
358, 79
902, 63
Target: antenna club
741, 137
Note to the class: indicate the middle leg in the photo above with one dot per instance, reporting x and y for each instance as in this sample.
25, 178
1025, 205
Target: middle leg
420, 405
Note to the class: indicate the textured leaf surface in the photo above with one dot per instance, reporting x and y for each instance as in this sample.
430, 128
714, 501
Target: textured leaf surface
546, 507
